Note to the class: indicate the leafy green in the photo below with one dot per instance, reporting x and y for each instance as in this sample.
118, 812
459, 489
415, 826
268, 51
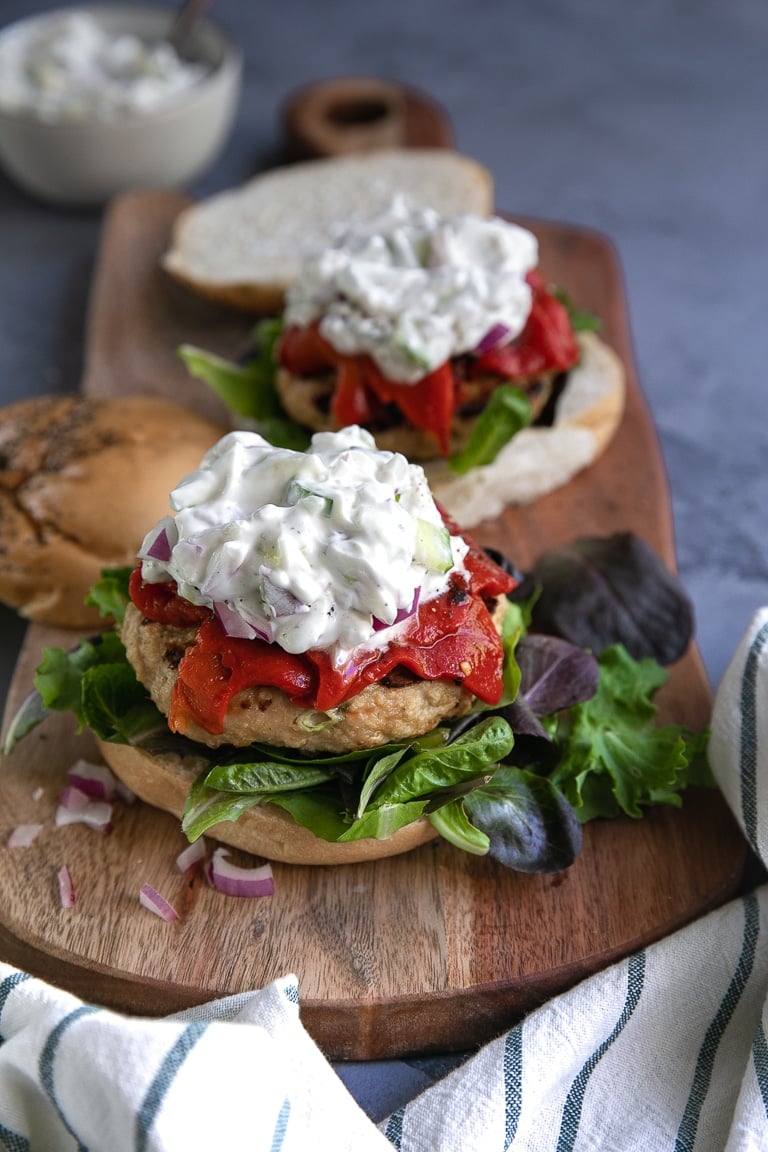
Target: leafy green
28, 715
581, 319
463, 759
507, 411
59, 676
110, 593
554, 675
383, 820
249, 388
264, 776
597, 591
453, 824
614, 757
205, 807
572, 739
530, 825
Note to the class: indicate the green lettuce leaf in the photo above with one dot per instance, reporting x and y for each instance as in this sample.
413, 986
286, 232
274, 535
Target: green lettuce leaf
615, 759
110, 593
59, 676
249, 388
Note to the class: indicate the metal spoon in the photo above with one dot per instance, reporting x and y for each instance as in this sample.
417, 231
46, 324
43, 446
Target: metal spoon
187, 15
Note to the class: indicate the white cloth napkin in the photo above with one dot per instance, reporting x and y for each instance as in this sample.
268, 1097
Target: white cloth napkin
664, 1051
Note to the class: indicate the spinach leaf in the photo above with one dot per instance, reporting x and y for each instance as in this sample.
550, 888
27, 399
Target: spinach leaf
453, 824
464, 758
384, 820
507, 411
264, 776
205, 807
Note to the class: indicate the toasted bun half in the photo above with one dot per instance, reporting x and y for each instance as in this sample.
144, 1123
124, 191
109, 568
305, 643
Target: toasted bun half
536, 461
164, 781
541, 458
244, 246
80, 479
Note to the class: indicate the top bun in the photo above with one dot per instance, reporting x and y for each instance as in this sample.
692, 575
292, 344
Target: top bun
80, 479
245, 246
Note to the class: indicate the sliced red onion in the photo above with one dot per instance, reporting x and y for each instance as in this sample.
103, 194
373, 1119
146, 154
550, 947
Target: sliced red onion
401, 614
66, 888
281, 600
77, 808
23, 835
192, 855
151, 899
94, 780
233, 623
496, 337
235, 881
73, 799
160, 548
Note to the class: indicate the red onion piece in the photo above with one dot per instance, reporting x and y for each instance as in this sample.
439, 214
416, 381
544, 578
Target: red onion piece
94, 780
232, 623
73, 799
23, 835
151, 899
76, 808
281, 600
496, 337
236, 881
192, 855
402, 614
160, 548
66, 888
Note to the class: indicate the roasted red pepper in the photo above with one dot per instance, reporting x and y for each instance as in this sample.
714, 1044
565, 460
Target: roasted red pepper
546, 344
451, 637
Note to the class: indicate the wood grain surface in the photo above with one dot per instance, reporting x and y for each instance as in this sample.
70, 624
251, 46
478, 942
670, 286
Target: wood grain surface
432, 951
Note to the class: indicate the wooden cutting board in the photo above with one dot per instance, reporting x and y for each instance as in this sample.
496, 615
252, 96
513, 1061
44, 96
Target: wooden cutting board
427, 952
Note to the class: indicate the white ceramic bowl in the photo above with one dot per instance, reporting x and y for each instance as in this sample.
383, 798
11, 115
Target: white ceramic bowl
86, 161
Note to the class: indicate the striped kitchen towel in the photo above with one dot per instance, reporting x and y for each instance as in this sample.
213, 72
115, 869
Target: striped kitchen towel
663, 1052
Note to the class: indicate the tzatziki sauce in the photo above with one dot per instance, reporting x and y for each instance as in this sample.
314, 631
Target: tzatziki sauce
323, 549
69, 67
411, 288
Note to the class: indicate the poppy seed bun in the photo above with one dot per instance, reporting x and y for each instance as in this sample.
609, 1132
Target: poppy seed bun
80, 479
164, 781
245, 246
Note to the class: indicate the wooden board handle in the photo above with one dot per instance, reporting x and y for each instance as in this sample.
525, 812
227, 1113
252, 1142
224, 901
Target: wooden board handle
361, 114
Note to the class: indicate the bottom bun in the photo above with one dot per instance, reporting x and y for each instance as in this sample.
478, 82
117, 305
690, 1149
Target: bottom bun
266, 830
542, 458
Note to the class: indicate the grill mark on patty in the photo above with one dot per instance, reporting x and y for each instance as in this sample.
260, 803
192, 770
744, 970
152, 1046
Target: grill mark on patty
173, 654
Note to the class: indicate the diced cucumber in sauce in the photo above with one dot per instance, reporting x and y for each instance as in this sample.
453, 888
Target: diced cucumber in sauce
433, 546
297, 492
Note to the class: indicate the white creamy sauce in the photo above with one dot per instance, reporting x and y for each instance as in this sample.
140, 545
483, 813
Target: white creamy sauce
69, 68
412, 289
326, 549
